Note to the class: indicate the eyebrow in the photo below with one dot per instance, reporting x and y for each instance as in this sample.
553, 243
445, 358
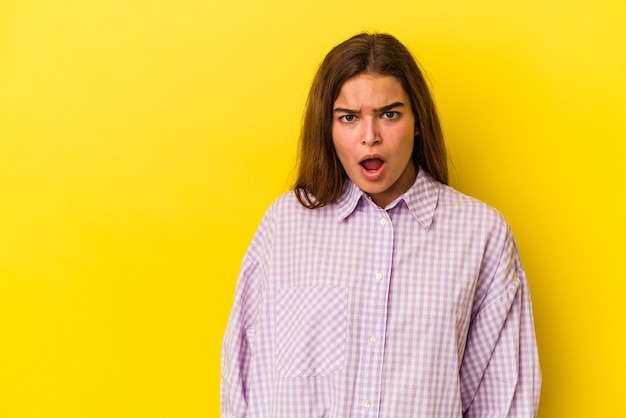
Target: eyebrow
385, 108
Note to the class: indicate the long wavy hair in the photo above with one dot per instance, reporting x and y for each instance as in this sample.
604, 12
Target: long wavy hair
320, 175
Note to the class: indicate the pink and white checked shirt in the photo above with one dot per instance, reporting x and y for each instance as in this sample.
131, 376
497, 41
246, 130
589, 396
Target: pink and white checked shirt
418, 310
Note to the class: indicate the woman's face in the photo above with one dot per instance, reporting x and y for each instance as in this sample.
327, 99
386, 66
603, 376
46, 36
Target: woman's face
373, 130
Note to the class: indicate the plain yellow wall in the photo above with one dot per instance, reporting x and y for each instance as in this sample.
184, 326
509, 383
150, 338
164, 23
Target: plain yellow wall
141, 142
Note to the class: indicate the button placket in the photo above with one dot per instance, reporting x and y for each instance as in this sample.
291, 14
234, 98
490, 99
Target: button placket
380, 249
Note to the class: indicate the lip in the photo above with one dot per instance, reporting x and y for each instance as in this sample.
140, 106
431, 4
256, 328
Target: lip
372, 175
371, 157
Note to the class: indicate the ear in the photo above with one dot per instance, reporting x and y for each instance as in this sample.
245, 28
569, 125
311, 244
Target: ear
416, 132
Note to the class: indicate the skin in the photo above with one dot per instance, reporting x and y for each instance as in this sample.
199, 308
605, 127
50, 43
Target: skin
373, 120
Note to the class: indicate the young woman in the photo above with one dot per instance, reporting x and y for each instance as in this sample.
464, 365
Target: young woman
374, 289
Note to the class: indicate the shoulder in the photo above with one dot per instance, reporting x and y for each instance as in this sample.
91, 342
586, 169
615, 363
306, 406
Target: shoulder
452, 199
456, 206
286, 201
287, 212
288, 205
286, 221
485, 226
273, 220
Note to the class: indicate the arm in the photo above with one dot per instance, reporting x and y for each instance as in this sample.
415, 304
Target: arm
237, 343
239, 339
500, 375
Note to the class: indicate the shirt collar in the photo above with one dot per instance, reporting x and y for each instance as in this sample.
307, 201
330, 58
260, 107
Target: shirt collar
421, 199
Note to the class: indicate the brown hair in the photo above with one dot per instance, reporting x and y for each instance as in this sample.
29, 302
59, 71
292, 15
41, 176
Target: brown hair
320, 173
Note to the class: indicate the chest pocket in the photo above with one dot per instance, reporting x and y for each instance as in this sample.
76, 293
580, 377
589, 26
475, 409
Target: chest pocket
311, 330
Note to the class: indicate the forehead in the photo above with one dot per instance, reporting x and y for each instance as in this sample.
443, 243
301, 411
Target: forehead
374, 89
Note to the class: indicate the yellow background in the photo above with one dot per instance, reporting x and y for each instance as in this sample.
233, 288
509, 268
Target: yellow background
141, 142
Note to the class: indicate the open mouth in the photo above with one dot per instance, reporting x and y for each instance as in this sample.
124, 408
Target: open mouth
372, 164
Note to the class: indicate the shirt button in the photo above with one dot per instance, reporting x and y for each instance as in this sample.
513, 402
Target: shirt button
367, 404
383, 221
373, 340
379, 277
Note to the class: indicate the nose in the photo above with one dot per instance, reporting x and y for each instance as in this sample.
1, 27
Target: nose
371, 133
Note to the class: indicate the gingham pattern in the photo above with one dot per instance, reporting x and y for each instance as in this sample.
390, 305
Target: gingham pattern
419, 310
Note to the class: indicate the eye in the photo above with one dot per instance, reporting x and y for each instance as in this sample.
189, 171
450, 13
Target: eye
347, 118
390, 115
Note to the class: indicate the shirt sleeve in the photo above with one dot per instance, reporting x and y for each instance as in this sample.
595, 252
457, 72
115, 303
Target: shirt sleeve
236, 346
238, 342
500, 374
